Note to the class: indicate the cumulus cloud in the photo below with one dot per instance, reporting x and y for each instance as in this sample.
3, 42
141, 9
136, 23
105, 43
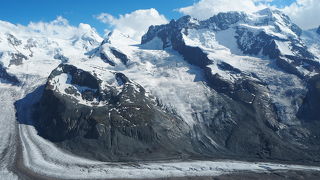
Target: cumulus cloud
304, 13
60, 28
134, 24
207, 8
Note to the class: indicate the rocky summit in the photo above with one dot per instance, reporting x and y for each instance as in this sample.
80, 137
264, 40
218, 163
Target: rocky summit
235, 86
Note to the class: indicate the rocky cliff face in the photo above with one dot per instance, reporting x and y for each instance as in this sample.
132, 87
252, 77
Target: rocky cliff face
308, 111
112, 122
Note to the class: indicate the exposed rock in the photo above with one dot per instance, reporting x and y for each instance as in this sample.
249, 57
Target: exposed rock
61, 57
6, 77
17, 58
126, 125
106, 59
285, 64
31, 43
13, 40
311, 104
123, 58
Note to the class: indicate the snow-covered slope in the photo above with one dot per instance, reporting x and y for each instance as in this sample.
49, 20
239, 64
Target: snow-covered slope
312, 40
264, 45
38, 48
234, 86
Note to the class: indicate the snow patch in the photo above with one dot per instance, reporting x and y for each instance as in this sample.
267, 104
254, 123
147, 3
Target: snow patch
284, 47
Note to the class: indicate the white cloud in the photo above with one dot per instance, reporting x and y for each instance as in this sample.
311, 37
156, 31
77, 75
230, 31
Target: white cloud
134, 24
60, 28
205, 9
57, 27
105, 18
305, 13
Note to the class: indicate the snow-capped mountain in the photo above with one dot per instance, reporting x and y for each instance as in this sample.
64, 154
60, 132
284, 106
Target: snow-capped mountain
42, 47
237, 85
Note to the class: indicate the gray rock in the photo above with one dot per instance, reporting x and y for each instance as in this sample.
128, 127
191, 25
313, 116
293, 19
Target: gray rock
61, 57
106, 59
311, 104
5, 77
129, 126
17, 59
123, 58
13, 40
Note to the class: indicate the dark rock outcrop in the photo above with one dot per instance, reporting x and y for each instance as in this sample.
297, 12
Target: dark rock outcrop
118, 54
61, 57
6, 77
310, 109
123, 58
106, 59
17, 59
126, 124
253, 44
12, 40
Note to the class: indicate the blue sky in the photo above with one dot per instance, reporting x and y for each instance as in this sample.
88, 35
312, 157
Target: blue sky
76, 11
282, 3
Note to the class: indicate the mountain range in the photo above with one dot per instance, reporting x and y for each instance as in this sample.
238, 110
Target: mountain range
241, 86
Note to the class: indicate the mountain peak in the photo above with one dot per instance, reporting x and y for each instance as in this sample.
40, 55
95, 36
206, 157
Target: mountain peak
268, 11
87, 36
